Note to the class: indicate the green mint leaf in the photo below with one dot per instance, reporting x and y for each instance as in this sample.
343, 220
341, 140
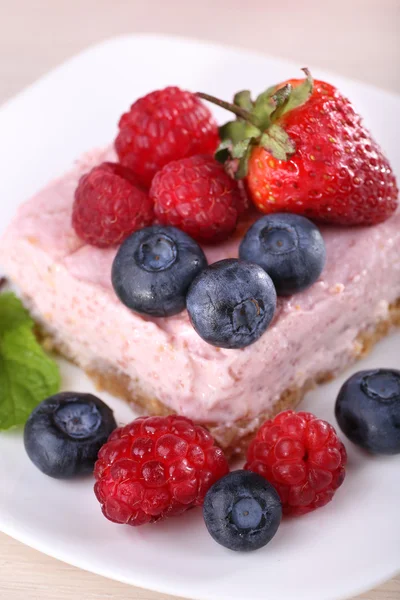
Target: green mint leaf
12, 313
27, 374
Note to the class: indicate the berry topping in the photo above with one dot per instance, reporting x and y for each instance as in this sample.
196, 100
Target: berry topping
368, 410
109, 206
65, 432
304, 149
163, 126
154, 268
302, 457
198, 196
289, 247
156, 467
231, 303
242, 511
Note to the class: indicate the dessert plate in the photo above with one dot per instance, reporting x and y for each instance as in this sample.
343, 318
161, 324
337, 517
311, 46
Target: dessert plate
341, 550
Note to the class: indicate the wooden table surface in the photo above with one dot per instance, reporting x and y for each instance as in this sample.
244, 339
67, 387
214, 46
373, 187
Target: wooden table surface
357, 38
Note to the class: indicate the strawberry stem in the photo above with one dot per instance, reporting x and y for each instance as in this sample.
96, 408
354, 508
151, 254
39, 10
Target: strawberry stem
239, 112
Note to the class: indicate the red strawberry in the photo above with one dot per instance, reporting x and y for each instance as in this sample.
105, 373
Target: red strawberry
163, 126
303, 149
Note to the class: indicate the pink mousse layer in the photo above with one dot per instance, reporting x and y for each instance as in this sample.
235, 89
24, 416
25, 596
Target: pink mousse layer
67, 285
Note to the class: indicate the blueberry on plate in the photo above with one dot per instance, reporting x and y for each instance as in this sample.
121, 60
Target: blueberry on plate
154, 268
289, 248
242, 511
368, 410
231, 303
65, 432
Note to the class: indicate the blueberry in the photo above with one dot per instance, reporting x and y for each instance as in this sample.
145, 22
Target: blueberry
65, 432
154, 268
289, 248
231, 303
242, 511
368, 410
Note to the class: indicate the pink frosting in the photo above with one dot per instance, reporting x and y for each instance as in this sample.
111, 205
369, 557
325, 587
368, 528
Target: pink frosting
67, 285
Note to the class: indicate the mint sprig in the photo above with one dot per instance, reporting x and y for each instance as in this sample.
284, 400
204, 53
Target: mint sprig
27, 374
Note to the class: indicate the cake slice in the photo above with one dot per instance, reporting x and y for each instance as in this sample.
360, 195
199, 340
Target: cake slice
162, 365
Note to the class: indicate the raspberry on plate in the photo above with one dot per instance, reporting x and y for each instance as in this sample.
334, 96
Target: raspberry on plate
163, 126
109, 205
302, 457
156, 467
197, 195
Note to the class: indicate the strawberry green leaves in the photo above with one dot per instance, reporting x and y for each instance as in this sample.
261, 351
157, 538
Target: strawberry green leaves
299, 94
27, 374
243, 99
258, 123
277, 142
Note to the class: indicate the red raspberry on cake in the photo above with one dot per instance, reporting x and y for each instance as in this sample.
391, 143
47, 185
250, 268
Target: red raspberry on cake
156, 467
109, 205
163, 126
196, 195
302, 457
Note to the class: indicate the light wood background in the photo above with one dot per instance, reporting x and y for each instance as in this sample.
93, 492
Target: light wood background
357, 38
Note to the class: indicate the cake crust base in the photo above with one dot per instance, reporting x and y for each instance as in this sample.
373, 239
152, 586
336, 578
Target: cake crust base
234, 437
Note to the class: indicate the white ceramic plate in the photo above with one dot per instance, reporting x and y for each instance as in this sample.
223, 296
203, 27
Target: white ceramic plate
341, 550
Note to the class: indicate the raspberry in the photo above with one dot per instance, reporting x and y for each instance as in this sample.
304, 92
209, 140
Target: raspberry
302, 457
156, 467
109, 205
197, 195
163, 126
